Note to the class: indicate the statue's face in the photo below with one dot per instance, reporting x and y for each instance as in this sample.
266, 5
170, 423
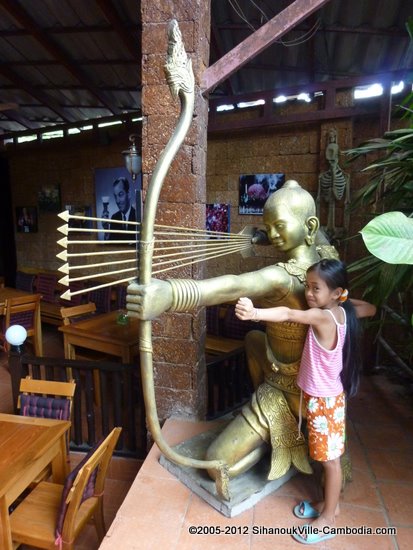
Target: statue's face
285, 229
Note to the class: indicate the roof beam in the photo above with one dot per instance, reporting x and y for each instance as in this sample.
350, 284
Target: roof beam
13, 115
44, 99
27, 22
258, 41
113, 18
216, 43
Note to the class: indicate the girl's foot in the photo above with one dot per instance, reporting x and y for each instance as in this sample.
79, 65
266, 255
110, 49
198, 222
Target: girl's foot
307, 510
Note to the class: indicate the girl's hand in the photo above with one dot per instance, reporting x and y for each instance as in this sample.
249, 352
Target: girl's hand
245, 309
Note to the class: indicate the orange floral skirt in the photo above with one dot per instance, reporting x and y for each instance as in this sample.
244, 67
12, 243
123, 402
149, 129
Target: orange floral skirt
326, 426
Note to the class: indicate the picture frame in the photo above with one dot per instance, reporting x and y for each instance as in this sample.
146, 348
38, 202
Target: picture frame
254, 190
49, 198
218, 217
107, 206
26, 219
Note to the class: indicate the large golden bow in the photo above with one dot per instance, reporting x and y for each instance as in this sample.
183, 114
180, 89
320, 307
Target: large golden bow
178, 69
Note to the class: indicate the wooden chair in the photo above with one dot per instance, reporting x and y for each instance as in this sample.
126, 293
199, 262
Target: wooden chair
77, 313
25, 311
46, 399
56, 514
102, 297
77, 299
46, 286
25, 281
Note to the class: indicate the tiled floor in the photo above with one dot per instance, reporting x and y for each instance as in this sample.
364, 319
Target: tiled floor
158, 509
121, 471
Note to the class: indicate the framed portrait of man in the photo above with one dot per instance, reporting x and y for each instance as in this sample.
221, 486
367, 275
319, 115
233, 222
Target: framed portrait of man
118, 203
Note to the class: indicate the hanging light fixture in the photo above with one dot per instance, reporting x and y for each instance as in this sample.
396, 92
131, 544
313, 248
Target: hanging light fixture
133, 160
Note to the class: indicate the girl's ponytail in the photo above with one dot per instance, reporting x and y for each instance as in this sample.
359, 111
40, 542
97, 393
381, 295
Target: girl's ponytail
350, 375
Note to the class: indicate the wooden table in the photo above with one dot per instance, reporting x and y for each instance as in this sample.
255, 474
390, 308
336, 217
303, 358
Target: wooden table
9, 292
102, 333
27, 446
219, 345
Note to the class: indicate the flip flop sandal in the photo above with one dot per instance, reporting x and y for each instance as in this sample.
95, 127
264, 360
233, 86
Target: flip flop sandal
311, 538
304, 510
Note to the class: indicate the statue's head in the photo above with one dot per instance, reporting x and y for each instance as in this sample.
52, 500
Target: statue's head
289, 217
332, 135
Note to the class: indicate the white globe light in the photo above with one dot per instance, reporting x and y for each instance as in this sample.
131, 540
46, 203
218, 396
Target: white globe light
16, 335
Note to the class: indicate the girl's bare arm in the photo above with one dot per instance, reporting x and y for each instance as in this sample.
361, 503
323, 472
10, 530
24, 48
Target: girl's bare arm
246, 311
363, 309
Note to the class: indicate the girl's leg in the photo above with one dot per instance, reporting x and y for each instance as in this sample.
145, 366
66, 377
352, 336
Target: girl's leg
333, 480
332, 489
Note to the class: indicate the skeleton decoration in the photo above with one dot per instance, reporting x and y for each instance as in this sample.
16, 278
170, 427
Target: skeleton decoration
333, 186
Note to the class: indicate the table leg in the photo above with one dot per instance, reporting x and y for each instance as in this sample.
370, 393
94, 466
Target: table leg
60, 463
69, 349
126, 355
5, 532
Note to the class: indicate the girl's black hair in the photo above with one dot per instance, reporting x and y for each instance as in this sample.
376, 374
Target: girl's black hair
334, 274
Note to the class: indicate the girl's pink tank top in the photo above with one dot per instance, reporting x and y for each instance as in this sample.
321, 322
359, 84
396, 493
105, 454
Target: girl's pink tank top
320, 368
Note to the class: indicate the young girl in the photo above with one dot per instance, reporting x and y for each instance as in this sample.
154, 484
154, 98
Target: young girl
329, 373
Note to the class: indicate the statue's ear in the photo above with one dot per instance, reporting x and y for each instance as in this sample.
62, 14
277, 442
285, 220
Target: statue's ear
313, 226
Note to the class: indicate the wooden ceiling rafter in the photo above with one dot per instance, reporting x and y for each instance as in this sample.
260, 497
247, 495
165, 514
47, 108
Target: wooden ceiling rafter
84, 29
112, 16
258, 41
15, 116
44, 99
23, 19
326, 28
216, 45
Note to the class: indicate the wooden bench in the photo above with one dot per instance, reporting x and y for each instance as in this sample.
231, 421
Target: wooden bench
50, 313
226, 333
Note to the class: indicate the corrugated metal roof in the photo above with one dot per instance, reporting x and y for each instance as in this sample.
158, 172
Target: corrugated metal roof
64, 61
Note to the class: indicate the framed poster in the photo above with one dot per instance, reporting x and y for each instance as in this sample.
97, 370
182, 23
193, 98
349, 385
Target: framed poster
49, 198
118, 197
26, 219
254, 190
217, 217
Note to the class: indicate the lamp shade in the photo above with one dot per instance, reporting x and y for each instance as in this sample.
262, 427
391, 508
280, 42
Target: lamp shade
16, 335
133, 161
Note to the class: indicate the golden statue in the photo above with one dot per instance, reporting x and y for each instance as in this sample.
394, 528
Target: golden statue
269, 420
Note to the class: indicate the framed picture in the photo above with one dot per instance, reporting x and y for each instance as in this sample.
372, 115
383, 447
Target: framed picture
49, 198
254, 190
118, 197
77, 210
26, 219
217, 217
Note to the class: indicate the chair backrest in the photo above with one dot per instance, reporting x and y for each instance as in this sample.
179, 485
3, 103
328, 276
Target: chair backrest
85, 481
71, 315
46, 398
25, 311
25, 281
121, 291
237, 329
77, 299
46, 286
102, 298
213, 320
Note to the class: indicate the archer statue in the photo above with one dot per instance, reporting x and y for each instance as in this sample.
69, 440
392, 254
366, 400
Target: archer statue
269, 420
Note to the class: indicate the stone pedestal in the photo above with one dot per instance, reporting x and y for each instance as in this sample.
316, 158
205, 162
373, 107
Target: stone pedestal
246, 490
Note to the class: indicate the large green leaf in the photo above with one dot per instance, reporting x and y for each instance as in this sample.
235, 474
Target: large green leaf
390, 238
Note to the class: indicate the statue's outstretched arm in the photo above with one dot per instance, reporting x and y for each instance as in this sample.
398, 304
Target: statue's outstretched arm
148, 301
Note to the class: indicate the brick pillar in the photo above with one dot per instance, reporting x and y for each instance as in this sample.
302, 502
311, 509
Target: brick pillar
180, 375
